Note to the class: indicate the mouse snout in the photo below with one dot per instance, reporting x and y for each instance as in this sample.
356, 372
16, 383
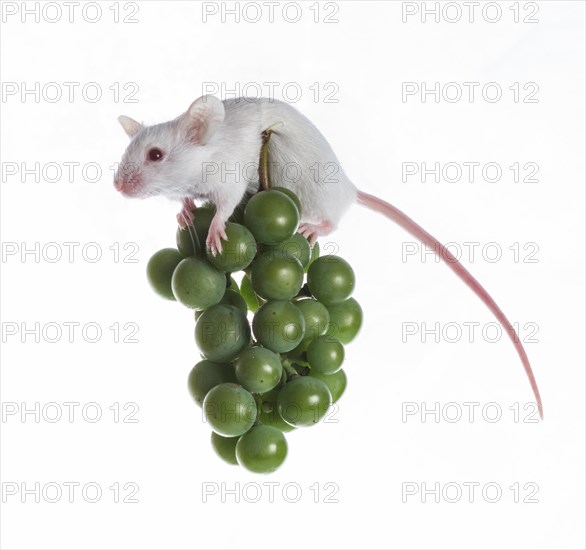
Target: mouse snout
129, 188
127, 180
123, 184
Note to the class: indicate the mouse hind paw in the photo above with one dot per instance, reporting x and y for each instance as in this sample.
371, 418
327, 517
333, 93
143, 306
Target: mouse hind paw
312, 231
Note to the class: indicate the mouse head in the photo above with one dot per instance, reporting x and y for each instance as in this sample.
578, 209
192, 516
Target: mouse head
158, 159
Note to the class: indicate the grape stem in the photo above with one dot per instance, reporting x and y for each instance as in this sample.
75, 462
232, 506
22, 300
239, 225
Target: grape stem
289, 368
263, 165
283, 380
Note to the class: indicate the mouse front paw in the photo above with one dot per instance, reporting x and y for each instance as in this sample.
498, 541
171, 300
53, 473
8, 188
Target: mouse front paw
216, 233
186, 217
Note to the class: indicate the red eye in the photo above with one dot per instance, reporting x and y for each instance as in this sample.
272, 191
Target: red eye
155, 154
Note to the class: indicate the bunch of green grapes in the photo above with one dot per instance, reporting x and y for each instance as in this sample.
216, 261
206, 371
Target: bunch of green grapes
273, 346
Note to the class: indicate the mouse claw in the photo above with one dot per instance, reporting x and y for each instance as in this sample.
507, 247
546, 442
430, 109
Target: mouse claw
184, 221
312, 231
216, 233
309, 232
214, 248
185, 217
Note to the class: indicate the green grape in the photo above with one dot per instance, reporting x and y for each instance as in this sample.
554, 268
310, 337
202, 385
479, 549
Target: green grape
237, 252
229, 409
336, 382
276, 276
238, 213
233, 298
345, 320
205, 375
268, 413
330, 279
273, 418
196, 284
316, 317
297, 246
314, 255
291, 195
160, 271
252, 300
298, 352
325, 355
225, 447
258, 369
191, 241
303, 401
222, 332
261, 450
278, 326
271, 216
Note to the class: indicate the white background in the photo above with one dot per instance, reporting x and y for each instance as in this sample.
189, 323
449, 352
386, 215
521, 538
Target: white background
366, 449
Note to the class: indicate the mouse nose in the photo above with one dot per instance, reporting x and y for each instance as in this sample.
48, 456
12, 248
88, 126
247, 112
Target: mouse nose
118, 184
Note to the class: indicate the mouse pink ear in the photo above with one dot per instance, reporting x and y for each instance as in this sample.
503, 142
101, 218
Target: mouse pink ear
203, 118
130, 126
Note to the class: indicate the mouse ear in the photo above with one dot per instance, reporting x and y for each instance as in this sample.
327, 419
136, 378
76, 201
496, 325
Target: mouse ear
130, 126
203, 118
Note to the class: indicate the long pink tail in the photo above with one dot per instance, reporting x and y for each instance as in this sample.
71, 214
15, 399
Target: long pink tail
394, 214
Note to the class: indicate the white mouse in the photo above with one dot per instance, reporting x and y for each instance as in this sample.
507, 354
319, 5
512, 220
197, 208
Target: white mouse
212, 152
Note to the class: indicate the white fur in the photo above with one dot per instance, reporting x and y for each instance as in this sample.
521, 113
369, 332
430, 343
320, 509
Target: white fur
213, 153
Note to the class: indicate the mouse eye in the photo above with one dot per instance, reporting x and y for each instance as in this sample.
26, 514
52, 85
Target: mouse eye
155, 154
